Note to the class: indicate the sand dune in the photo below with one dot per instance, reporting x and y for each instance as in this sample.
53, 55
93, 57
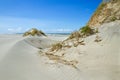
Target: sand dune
19, 58
97, 60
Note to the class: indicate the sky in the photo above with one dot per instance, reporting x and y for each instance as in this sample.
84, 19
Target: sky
50, 16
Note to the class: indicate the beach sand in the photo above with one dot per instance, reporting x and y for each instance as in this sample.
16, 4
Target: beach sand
20, 58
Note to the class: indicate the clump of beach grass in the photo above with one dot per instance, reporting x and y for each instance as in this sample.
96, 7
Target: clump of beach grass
75, 34
56, 47
34, 32
86, 31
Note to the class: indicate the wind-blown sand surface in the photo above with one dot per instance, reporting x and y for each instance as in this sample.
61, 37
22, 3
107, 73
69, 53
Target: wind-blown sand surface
19, 58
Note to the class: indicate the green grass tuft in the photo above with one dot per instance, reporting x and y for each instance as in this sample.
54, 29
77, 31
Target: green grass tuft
86, 31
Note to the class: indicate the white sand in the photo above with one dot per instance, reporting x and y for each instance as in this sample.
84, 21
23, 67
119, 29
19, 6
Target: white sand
100, 61
19, 58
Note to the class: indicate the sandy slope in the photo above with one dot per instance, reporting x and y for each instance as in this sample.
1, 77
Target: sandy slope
97, 60
19, 58
102, 60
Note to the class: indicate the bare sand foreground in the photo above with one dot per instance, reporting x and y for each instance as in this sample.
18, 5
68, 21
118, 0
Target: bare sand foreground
19, 58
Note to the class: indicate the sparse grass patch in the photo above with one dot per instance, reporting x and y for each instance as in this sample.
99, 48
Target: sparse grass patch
26, 34
113, 18
59, 59
81, 42
75, 34
34, 32
86, 31
41, 33
56, 47
100, 8
114, 1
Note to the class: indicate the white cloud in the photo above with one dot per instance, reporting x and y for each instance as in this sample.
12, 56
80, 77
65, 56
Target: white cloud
63, 30
58, 30
15, 30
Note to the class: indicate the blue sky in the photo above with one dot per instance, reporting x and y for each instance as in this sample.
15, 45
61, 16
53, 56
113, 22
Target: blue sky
17, 16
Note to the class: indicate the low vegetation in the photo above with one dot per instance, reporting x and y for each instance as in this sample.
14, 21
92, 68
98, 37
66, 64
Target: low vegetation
114, 1
75, 34
59, 59
86, 31
113, 18
83, 32
34, 32
100, 8
56, 47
